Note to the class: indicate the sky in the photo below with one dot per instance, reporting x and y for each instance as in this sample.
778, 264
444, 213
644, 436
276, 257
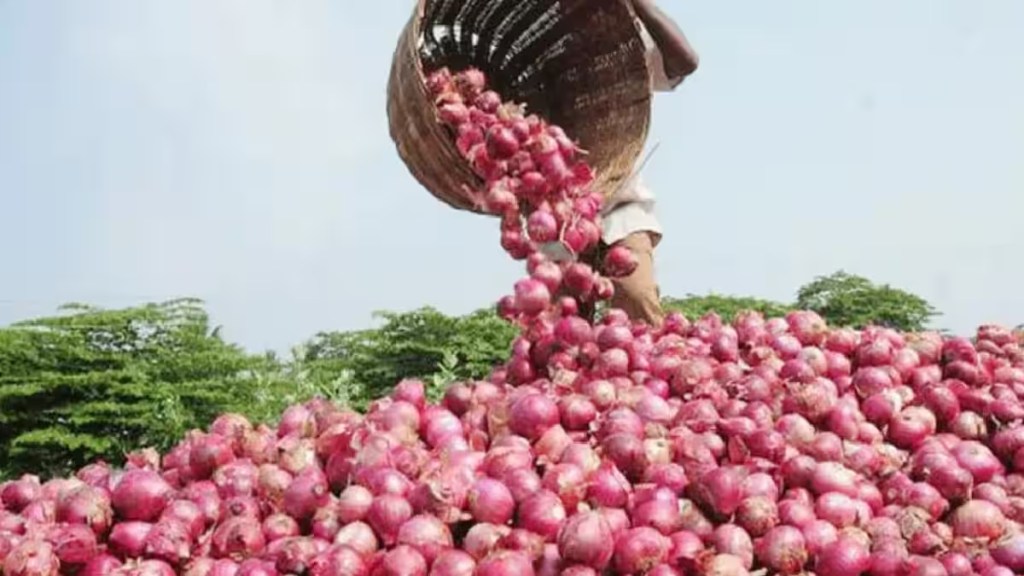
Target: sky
237, 151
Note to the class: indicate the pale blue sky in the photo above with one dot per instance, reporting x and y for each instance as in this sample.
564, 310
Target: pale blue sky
237, 150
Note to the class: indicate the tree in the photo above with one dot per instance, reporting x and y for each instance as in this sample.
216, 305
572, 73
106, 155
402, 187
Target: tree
693, 306
93, 383
848, 300
423, 343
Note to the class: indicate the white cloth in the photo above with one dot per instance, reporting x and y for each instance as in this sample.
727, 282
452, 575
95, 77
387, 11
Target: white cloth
632, 208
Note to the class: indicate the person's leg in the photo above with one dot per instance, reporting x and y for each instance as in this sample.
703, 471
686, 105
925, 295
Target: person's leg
638, 294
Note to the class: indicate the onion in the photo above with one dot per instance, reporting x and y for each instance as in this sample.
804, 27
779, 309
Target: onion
783, 549
844, 557
796, 513
101, 565
354, 503
838, 509
453, 563
586, 539
427, 535
238, 538
542, 513
818, 534
505, 563
978, 519
170, 541
730, 539
141, 495
85, 505
638, 550
73, 545
337, 560
532, 415
278, 526
608, 487
402, 561
956, 564
491, 501
757, 515
128, 539
386, 516
358, 536
719, 491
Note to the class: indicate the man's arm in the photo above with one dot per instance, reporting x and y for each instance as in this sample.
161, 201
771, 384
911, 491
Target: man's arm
680, 58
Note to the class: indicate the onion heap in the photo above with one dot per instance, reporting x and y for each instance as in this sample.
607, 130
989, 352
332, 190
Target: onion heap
774, 446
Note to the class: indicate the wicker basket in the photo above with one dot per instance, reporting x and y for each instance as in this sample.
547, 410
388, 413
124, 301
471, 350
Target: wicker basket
578, 63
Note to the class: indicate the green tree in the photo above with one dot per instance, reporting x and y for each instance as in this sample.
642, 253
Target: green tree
693, 306
849, 300
423, 343
93, 383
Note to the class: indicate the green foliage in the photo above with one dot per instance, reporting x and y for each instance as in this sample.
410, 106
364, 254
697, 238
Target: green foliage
693, 306
422, 343
849, 300
93, 383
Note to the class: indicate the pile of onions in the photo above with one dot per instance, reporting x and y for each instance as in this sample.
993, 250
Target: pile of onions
772, 446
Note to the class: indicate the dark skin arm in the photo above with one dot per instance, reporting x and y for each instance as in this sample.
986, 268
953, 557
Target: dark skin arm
680, 58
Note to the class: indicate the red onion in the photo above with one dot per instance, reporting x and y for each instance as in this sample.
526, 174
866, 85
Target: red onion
607, 487
453, 563
427, 534
73, 545
782, 549
128, 539
209, 453
719, 491
505, 563
387, 514
659, 511
532, 415
796, 513
542, 513
757, 515
818, 534
337, 560
640, 549
731, 539
721, 565
19, 493
586, 539
85, 505
170, 541
359, 537
566, 480
238, 538
977, 459
834, 477
141, 495
844, 557
491, 501
101, 565
189, 514
278, 526
978, 519
402, 561
31, 558
838, 509
956, 564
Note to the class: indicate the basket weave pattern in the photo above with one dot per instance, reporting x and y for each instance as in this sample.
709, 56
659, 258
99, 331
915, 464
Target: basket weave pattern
580, 64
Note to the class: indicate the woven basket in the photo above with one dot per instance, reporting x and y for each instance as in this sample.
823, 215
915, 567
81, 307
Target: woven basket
579, 64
